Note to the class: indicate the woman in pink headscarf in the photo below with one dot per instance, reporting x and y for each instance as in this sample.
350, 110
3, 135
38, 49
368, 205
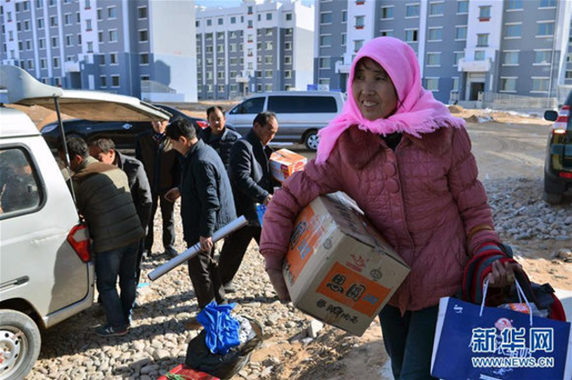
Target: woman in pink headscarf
407, 163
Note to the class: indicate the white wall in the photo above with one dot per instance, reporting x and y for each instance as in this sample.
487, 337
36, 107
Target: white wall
172, 41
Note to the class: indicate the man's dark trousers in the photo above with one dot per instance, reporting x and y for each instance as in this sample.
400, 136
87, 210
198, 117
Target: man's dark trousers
233, 251
168, 222
205, 277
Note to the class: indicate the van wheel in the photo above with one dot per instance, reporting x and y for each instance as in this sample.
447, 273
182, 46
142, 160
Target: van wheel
311, 140
552, 198
20, 342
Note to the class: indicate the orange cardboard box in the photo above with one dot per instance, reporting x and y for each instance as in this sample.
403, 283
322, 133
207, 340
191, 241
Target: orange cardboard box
338, 268
284, 162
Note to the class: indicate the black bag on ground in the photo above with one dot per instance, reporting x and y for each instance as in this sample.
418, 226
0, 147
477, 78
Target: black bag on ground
224, 366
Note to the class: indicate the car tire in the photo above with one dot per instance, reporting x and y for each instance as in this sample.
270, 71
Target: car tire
311, 140
552, 198
20, 343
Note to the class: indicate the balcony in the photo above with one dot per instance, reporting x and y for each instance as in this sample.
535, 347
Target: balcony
71, 66
472, 66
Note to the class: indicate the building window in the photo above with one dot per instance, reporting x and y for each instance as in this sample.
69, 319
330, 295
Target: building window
510, 58
359, 22
542, 57
435, 34
99, 14
268, 73
513, 30
287, 74
143, 36
111, 12
287, 45
103, 81
268, 59
433, 59
54, 42
324, 63
88, 25
43, 63
113, 36
53, 21
113, 58
220, 75
455, 86
547, 3
250, 24
412, 10
411, 35
485, 13
514, 4
40, 23
288, 16
479, 55
115, 81
357, 45
268, 16
42, 43
220, 21
539, 84
268, 45
344, 16
508, 84
56, 62
69, 40
431, 84
288, 32
142, 12
462, 6
386, 12
325, 17
545, 29
344, 39
79, 39
568, 74
287, 59
436, 9
144, 58
325, 40
67, 19
90, 47
100, 36
102, 60
385, 33
482, 40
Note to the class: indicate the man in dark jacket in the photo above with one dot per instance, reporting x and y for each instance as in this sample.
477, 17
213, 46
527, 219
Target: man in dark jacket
218, 136
206, 206
252, 183
162, 168
104, 151
104, 200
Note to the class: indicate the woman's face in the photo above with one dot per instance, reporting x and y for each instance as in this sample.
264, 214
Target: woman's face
373, 90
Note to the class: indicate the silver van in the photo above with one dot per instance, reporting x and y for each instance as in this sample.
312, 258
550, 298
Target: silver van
300, 114
46, 269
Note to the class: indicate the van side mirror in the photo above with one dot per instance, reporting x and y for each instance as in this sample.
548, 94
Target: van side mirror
550, 115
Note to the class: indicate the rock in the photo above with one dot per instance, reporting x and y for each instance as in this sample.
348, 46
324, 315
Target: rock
314, 328
564, 254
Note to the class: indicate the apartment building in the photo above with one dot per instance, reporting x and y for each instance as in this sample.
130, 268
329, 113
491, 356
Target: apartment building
132, 47
261, 45
520, 47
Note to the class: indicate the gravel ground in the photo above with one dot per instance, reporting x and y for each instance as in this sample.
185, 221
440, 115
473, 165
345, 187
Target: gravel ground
158, 339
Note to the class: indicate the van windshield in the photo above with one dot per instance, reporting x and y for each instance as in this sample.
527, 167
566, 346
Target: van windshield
302, 104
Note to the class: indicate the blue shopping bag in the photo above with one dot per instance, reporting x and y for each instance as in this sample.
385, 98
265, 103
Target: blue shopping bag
488, 343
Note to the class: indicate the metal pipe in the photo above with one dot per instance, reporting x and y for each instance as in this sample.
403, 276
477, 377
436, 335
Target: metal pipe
65, 147
195, 249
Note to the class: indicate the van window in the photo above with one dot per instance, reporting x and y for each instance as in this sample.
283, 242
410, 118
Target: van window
302, 104
253, 105
18, 182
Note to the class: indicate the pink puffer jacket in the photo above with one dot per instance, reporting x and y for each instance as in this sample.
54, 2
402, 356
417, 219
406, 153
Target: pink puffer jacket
424, 198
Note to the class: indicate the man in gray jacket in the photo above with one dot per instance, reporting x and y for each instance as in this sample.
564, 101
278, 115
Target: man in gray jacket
104, 151
104, 200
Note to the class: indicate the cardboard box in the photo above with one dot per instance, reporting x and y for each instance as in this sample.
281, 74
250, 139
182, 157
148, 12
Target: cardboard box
284, 162
338, 268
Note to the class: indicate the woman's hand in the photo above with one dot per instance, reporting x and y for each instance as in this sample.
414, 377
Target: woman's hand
502, 274
277, 280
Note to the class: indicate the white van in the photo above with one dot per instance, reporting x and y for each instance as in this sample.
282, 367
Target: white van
300, 114
46, 269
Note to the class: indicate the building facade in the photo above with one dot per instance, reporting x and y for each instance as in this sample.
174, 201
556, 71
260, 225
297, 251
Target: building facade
132, 47
519, 47
262, 45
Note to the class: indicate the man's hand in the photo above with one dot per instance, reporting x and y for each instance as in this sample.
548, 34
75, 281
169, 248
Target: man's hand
502, 275
278, 283
206, 243
173, 194
267, 199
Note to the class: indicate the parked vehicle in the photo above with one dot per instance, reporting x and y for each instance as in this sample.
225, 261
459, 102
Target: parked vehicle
46, 269
123, 132
558, 163
300, 114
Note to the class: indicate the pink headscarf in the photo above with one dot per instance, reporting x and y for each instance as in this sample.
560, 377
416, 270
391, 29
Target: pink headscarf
418, 112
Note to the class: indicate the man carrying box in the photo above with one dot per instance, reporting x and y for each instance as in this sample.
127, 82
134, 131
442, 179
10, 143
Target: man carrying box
251, 183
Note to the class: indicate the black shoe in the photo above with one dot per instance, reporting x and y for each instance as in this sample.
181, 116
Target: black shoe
229, 287
107, 330
171, 252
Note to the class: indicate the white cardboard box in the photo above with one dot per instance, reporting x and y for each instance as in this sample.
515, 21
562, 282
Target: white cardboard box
338, 268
